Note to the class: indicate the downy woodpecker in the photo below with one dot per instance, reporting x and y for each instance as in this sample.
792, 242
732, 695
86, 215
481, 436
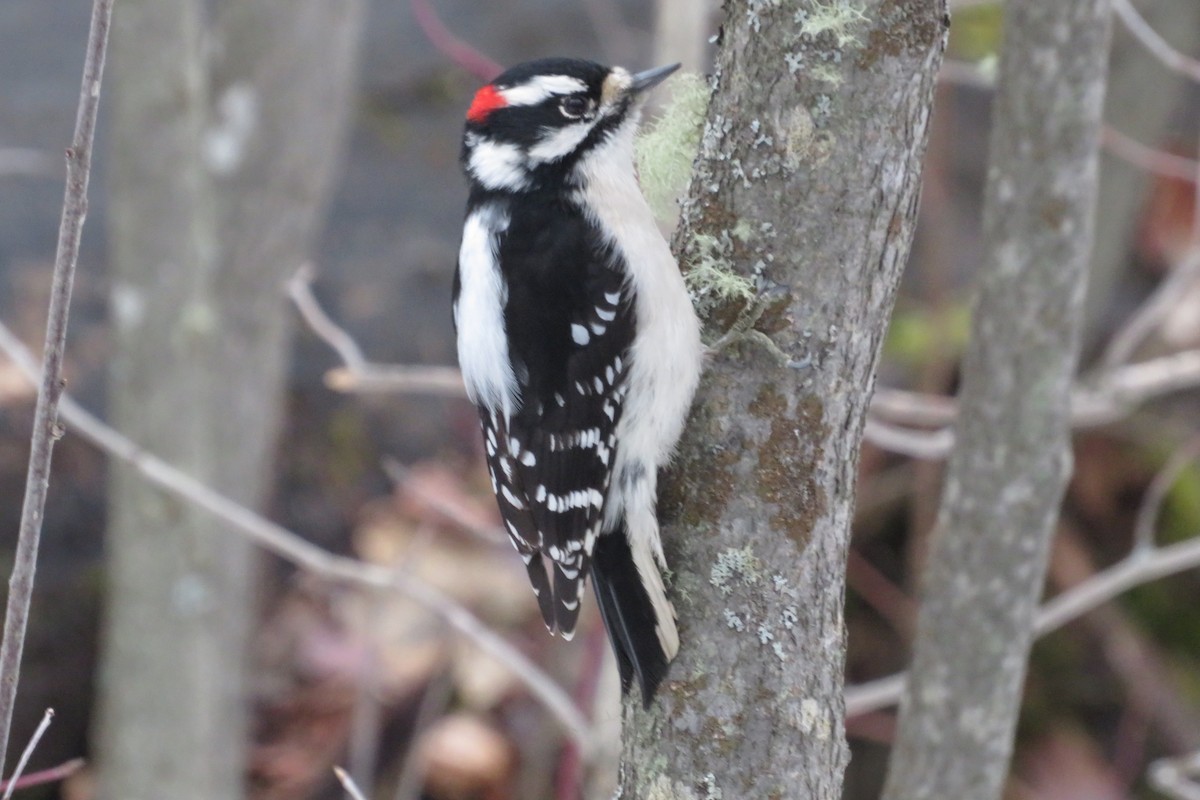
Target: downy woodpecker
578, 342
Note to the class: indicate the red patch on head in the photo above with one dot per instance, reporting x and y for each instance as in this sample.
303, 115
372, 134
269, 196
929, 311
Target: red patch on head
486, 101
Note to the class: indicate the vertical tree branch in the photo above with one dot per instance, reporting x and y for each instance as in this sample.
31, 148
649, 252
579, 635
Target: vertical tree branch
805, 190
169, 716
229, 139
45, 421
1009, 469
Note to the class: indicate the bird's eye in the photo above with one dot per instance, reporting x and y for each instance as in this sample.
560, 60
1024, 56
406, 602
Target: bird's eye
573, 106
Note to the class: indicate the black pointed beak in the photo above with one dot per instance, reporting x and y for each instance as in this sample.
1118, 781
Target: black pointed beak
651, 78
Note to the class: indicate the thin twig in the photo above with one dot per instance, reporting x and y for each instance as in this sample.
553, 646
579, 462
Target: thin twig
883, 596
1175, 777
966, 73
1159, 47
307, 556
46, 428
1137, 568
1196, 202
299, 288
1116, 143
401, 476
348, 784
1158, 162
356, 373
433, 703
449, 45
1114, 394
925, 445
44, 776
27, 752
1156, 493
898, 414
1153, 311
569, 780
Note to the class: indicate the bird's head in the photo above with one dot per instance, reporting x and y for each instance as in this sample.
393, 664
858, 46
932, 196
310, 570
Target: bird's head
530, 126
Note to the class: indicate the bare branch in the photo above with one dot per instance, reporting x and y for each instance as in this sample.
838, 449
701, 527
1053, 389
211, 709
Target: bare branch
307, 556
356, 373
1171, 58
1116, 143
1106, 398
863, 698
46, 428
966, 73
1152, 312
348, 784
1137, 568
401, 476
1156, 493
924, 445
1151, 160
1011, 463
44, 776
1176, 777
11, 783
411, 774
458, 51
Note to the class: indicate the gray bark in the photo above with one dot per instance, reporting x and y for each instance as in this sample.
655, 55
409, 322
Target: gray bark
806, 184
168, 697
214, 204
1006, 476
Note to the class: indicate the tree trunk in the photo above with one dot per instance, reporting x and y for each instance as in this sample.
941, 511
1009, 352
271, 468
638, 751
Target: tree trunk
212, 211
805, 195
170, 708
1012, 457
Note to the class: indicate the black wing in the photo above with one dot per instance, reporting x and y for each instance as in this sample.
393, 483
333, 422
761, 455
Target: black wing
570, 324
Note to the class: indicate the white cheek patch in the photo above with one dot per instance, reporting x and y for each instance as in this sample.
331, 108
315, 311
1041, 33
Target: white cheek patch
541, 88
559, 143
497, 165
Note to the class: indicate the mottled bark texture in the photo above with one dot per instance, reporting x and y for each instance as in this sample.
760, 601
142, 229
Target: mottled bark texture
804, 196
1012, 459
220, 173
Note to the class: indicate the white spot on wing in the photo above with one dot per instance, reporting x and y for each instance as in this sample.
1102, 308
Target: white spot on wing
579, 334
513, 500
496, 165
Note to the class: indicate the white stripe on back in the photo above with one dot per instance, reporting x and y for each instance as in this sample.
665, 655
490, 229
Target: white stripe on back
482, 342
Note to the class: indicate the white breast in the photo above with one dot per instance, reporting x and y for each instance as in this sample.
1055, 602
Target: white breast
666, 354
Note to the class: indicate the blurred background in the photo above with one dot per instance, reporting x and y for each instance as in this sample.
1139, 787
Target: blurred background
336, 674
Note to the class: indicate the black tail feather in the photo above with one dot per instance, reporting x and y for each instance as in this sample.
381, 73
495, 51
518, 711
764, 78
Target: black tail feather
628, 615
